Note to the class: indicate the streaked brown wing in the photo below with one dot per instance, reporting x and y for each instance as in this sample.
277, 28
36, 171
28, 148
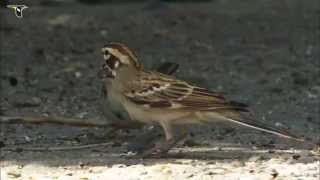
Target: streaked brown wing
160, 91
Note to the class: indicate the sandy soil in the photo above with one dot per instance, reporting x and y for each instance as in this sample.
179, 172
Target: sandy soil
263, 53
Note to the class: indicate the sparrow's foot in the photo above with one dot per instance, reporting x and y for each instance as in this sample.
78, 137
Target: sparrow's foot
161, 148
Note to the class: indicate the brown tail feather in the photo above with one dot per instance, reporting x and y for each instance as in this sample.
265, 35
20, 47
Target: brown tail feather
246, 119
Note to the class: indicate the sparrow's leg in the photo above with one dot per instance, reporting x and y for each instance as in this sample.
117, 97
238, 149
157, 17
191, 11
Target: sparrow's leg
145, 140
163, 147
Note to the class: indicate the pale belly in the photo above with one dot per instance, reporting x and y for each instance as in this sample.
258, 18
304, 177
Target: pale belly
154, 116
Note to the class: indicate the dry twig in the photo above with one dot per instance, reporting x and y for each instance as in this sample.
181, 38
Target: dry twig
121, 124
53, 120
62, 148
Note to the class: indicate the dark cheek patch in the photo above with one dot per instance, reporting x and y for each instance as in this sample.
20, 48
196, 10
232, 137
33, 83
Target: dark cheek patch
112, 62
110, 66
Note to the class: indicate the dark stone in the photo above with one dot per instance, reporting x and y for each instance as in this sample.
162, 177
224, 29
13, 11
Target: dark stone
191, 143
296, 156
2, 144
299, 79
13, 81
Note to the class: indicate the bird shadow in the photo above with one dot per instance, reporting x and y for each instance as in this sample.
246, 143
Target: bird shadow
115, 153
111, 156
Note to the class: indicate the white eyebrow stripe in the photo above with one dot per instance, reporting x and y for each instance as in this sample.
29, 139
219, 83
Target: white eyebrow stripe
122, 57
115, 52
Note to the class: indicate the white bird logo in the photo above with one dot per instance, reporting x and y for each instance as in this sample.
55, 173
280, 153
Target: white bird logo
18, 9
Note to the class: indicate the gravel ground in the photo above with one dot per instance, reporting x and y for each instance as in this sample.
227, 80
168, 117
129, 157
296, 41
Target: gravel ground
263, 53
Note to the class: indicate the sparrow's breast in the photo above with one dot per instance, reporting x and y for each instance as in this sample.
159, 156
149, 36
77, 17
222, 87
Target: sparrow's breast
114, 101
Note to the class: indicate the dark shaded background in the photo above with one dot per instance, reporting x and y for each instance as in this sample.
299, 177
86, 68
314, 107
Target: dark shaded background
264, 53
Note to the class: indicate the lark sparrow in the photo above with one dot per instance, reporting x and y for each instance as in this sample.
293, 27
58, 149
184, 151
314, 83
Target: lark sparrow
116, 119
151, 97
117, 122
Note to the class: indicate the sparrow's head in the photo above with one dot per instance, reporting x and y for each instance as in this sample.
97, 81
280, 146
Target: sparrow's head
118, 57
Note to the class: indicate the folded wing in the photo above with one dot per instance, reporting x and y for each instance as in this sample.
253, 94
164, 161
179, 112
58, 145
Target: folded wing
156, 90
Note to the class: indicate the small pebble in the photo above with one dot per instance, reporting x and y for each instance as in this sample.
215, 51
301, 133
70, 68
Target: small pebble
190, 176
104, 33
278, 124
27, 138
274, 173
2, 144
296, 156
36, 100
24, 102
254, 158
13, 81
119, 166
237, 163
211, 173
81, 164
81, 115
77, 74
84, 178
13, 174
